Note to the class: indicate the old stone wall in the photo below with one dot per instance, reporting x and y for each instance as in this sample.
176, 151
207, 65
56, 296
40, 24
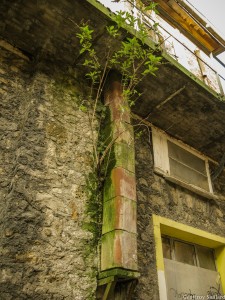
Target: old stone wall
46, 157
158, 196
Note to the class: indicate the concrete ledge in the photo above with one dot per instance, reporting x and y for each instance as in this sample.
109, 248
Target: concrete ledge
106, 276
187, 186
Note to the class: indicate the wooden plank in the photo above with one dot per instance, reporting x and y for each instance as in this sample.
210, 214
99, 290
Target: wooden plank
160, 150
209, 177
109, 290
106, 280
191, 188
181, 18
130, 289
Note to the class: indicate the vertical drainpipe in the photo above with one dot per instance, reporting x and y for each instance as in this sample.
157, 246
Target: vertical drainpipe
119, 229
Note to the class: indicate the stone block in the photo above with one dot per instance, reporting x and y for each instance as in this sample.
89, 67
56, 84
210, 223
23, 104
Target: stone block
121, 155
119, 213
119, 112
120, 183
118, 131
118, 107
118, 139
119, 250
124, 132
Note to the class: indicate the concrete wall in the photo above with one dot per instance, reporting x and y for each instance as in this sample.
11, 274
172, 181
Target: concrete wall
46, 156
158, 196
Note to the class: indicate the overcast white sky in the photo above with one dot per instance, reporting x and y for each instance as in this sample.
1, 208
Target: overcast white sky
213, 10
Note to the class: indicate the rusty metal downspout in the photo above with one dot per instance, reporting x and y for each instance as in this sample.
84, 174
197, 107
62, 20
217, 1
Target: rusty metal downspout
119, 229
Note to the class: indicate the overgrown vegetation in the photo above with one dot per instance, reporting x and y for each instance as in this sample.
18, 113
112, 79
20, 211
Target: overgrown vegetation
134, 60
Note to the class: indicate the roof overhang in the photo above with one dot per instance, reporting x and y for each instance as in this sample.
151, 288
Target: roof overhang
180, 15
174, 100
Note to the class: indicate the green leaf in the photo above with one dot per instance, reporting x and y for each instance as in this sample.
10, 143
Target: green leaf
83, 108
82, 50
112, 31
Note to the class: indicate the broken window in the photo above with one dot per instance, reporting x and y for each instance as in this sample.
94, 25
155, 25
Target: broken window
206, 258
184, 253
181, 164
190, 269
188, 253
187, 166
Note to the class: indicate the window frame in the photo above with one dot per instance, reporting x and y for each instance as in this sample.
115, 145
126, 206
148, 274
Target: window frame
162, 164
196, 260
163, 226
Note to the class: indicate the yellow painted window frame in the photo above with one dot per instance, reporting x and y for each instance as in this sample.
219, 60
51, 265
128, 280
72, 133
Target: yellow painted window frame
164, 226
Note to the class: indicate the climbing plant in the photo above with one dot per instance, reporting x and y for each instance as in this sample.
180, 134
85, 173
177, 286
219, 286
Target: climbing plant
134, 60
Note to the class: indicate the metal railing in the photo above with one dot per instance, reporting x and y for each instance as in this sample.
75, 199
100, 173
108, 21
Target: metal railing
222, 82
191, 60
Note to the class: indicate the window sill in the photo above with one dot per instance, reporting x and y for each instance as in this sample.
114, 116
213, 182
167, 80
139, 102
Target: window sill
187, 186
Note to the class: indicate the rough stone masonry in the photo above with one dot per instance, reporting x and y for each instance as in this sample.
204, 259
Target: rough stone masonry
158, 196
46, 156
